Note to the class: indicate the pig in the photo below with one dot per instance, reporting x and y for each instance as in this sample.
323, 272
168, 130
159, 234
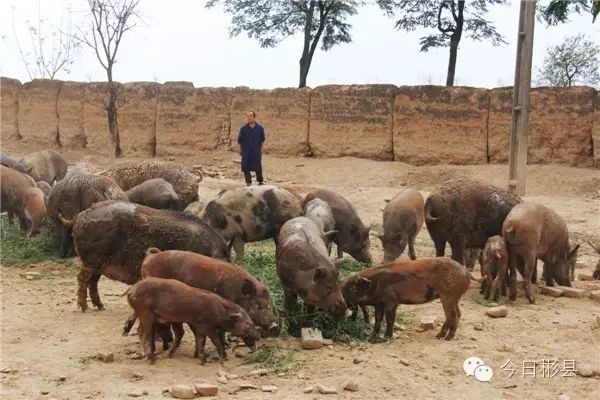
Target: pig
171, 301
10, 162
305, 269
111, 239
35, 209
472, 256
13, 185
321, 214
227, 280
352, 236
466, 213
250, 214
596, 274
533, 231
494, 268
409, 282
403, 218
74, 193
155, 193
195, 208
44, 187
184, 181
46, 165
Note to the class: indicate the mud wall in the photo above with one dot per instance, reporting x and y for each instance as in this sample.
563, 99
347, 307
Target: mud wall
414, 124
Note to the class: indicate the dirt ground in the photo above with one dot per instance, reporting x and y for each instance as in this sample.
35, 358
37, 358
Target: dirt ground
48, 346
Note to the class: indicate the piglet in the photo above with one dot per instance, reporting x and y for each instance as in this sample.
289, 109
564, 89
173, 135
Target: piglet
409, 282
494, 268
169, 301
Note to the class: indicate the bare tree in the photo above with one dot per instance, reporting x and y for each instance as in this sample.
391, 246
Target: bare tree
109, 20
51, 50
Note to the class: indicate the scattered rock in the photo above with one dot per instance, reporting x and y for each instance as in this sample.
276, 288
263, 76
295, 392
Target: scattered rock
62, 378
311, 339
358, 360
258, 372
183, 392
585, 370
572, 292
404, 362
221, 373
45, 391
308, 389
497, 312
564, 397
105, 357
268, 388
428, 322
323, 389
299, 165
351, 386
246, 385
478, 327
239, 353
31, 275
595, 295
136, 393
222, 380
136, 376
327, 342
232, 376
206, 389
551, 291
136, 356
585, 277
399, 327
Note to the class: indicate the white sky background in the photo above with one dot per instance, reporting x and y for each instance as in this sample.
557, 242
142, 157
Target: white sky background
181, 40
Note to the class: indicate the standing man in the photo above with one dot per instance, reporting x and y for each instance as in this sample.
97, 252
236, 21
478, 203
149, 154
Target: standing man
251, 139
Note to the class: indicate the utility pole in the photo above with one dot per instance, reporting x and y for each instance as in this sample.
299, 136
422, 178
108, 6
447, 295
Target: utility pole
520, 110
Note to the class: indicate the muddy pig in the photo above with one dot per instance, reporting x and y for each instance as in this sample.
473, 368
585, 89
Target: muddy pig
227, 280
409, 282
155, 193
46, 165
74, 193
403, 218
10, 162
184, 181
35, 209
494, 268
250, 214
533, 231
466, 213
305, 269
13, 185
352, 236
112, 237
321, 214
171, 301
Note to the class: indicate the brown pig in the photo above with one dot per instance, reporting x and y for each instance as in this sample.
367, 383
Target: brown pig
169, 301
533, 231
155, 193
403, 218
13, 185
305, 269
409, 282
35, 209
494, 268
227, 280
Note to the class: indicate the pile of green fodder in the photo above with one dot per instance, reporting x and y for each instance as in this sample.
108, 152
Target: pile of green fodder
17, 249
260, 262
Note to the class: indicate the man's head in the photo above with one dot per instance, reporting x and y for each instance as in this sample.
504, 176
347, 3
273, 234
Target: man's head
250, 117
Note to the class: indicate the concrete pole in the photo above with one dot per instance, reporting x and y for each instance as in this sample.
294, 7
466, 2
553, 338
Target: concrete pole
520, 110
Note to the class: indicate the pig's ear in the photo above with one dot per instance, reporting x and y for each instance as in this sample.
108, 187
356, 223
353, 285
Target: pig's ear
319, 274
573, 252
363, 284
248, 288
235, 318
329, 235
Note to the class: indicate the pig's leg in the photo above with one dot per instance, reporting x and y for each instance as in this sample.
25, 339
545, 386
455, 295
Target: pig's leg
214, 337
458, 251
147, 335
129, 322
440, 246
222, 337
83, 279
365, 312
448, 314
340, 253
411, 248
238, 246
548, 275
529, 261
498, 283
93, 288
10, 217
454, 323
390, 318
66, 241
513, 260
290, 300
379, 309
178, 330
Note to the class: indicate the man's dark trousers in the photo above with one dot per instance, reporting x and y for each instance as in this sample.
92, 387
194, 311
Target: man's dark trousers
259, 177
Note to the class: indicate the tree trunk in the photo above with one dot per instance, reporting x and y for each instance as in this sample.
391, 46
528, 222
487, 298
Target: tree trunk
305, 60
452, 63
112, 115
303, 72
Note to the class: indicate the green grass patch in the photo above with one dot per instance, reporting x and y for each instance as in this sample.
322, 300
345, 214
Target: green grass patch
260, 262
18, 249
275, 358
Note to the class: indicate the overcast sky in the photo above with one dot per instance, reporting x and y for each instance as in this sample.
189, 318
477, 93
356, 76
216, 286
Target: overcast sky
181, 40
